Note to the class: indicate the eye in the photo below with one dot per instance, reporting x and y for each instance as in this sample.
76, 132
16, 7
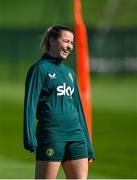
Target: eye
68, 41
65, 40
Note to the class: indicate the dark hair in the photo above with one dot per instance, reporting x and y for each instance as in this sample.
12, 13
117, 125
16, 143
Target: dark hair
54, 32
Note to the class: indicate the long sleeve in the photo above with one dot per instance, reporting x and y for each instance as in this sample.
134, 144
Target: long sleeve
33, 85
83, 122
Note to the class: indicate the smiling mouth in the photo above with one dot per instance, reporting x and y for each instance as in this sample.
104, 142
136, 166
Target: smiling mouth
66, 51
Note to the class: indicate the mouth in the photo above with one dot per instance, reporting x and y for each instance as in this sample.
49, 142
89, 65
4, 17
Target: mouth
66, 51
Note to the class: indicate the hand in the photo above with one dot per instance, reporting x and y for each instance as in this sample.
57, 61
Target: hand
90, 161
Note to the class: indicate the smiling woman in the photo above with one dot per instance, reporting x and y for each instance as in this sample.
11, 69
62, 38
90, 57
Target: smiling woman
51, 94
58, 47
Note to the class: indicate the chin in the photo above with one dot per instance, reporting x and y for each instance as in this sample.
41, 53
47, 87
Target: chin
63, 57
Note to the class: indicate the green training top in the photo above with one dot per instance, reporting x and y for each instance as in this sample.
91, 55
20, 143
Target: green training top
51, 96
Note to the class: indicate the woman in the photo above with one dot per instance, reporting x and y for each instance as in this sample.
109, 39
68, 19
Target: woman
51, 95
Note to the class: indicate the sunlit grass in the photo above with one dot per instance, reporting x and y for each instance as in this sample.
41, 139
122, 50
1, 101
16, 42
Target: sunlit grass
114, 129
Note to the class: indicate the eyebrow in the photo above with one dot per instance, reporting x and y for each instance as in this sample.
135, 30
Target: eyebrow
68, 40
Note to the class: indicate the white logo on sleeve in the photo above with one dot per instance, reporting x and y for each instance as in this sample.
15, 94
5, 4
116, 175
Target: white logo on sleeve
65, 90
52, 76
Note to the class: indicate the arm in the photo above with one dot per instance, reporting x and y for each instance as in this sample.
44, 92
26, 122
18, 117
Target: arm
83, 122
33, 85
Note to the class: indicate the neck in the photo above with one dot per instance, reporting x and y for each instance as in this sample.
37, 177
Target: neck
52, 58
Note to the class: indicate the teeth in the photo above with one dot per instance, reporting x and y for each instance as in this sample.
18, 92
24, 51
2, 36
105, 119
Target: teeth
66, 51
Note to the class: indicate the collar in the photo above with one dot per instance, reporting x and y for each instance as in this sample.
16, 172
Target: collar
51, 59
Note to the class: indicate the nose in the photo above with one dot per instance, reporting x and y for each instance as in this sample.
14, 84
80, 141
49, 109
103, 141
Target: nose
69, 46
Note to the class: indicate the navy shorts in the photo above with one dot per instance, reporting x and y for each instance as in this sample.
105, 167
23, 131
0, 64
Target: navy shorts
62, 151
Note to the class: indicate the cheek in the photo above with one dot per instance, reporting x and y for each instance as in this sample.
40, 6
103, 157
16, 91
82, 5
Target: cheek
72, 47
57, 48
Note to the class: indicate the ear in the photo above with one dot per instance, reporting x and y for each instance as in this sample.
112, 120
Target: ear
52, 41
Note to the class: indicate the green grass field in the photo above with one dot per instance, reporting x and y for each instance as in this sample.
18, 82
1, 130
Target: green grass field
114, 129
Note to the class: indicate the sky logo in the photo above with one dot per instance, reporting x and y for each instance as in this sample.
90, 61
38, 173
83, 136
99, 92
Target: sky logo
65, 90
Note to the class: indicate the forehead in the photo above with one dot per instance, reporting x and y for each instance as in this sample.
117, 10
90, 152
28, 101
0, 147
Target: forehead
66, 34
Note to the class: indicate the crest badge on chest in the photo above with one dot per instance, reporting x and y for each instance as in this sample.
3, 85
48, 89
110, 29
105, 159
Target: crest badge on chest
71, 77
